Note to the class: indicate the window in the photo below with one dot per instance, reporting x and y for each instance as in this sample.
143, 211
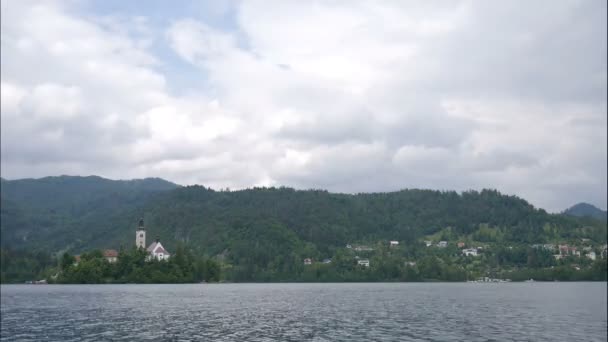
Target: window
141, 235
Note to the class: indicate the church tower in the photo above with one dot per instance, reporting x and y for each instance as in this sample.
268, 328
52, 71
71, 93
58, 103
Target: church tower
140, 235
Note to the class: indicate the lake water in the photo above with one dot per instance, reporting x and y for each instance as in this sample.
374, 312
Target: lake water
306, 312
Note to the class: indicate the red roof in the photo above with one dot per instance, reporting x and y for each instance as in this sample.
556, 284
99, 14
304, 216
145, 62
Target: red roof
110, 253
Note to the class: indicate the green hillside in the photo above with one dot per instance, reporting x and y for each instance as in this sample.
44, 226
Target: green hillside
54, 213
265, 233
586, 210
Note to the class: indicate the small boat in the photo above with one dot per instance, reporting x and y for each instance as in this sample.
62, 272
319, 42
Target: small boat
529, 281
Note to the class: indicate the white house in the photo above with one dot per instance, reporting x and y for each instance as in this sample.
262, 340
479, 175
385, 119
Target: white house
442, 244
157, 251
363, 262
470, 252
591, 255
111, 255
428, 243
394, 243
308, 261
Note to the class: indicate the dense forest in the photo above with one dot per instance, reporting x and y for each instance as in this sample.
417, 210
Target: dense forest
264, 234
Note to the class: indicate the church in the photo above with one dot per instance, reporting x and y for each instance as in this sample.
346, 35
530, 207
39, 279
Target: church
155, 250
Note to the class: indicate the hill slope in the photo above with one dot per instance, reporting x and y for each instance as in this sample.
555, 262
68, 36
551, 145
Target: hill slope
264, 233
58, 212
586, 210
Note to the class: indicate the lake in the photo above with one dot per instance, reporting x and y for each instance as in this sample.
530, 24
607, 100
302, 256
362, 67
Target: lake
306, 312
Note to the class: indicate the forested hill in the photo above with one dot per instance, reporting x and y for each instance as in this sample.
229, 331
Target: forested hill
67, 211
84, 212
265, 233
586, 210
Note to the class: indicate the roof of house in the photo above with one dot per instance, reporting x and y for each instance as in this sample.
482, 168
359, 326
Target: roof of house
156, 248
77, 258
110, 253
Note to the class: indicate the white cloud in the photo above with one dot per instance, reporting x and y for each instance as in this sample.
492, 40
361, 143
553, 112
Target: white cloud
348, 96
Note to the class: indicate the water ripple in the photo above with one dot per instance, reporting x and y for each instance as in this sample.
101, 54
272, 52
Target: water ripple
305, 312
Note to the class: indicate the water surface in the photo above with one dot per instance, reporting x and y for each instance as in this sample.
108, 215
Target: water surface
305, 312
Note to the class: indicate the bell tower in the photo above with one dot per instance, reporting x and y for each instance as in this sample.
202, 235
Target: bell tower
140, 235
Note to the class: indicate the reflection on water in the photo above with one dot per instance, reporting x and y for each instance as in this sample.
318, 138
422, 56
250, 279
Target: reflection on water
305, 312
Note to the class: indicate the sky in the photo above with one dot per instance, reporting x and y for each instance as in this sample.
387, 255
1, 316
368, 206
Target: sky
348, 96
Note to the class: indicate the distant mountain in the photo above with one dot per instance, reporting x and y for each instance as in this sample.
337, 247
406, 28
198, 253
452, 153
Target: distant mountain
586, 210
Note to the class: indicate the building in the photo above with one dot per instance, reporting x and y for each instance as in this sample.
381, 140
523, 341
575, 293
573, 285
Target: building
394, 243
308, 261
470, 252
157, 251
111, 255
363, 248
548, 246
410, 263
140, 235
327, 261
591, 255
442, 244
363, 262
428, 243
605, 252
461, 245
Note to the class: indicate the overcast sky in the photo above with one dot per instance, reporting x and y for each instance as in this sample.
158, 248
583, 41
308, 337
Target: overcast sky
341, 95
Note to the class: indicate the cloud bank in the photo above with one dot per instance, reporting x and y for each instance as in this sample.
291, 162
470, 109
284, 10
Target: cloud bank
346, 96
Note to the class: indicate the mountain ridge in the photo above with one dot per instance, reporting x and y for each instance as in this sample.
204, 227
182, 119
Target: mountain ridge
583, 209
265, 233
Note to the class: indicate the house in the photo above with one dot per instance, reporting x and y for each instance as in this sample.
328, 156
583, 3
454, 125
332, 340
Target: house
349, 246
558, 256
470, 252
563, 249
157, 251
394, 243
327, 261
573, 251
428, 243
76, 259
442, 244
308, 261
410, 263
591, 255
461, 245
111, 255
363, 262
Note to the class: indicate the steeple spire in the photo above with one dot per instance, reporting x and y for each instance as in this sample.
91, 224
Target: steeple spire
140, 234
